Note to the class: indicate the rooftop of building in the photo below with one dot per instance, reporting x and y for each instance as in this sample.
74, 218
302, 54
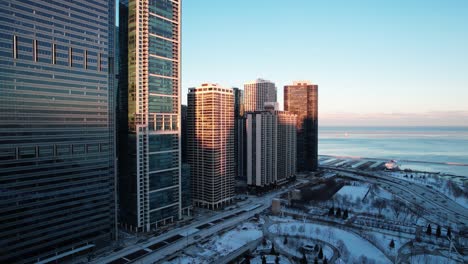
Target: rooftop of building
301, 83
210, 87
259, 80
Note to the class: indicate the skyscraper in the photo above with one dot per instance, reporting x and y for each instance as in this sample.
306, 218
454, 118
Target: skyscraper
301, 98
271, 148
257, 93
184, 132
239, 134
149, 153
286, 146
185, 177
57, 176
210, 142
261, 148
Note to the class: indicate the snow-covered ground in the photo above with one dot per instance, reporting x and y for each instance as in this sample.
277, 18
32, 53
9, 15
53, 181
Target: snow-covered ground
350, 245
353, 192
383, 241
185, 260
294, 245
382, 193
220, 246
282, 219
436, 182
270, 259
234, 239
430, 259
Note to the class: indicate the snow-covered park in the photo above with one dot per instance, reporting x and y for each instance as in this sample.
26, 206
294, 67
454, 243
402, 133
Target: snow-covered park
234, 239
220, 246
351, 246
442, 184
353, 192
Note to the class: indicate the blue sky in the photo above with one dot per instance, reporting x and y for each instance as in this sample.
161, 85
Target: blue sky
369, 58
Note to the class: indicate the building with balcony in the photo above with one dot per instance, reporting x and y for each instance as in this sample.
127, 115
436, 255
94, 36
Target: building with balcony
257, 93
271, 148
210, 145
150, 184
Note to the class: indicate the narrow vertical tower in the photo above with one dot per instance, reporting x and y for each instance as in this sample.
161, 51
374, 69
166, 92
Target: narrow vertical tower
149, 153
210, 132
239, 134
301, 98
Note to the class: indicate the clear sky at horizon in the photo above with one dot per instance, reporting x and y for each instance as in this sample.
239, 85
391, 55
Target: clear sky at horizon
370, 58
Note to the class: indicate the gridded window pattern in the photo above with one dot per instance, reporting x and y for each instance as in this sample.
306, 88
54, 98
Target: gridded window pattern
302, 100
150, 100
56, 129
257, 93
271, 147
210, 145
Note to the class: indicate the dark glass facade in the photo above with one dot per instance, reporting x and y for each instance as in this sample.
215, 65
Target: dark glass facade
302, 100
239, 135
57, 177
184, 133
149, 118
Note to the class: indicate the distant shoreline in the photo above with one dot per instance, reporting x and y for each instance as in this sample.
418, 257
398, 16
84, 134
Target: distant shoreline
383, 159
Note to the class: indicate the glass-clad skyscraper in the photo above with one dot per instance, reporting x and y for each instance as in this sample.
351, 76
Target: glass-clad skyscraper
57, 177
149, 141
301, 98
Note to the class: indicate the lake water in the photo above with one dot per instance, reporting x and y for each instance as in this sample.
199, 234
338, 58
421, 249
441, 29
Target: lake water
434, 145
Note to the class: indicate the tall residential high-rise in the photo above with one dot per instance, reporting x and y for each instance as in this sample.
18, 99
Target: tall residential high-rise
149, 152
210, 143
57, 175
239, 134
271, 148
257, 93
286, 146
301, 98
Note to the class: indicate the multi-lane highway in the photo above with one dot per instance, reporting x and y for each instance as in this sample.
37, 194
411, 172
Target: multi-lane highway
158, 248
438, 208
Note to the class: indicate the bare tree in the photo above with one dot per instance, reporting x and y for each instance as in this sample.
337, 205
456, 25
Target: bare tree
418, 211
380, 204
397, 206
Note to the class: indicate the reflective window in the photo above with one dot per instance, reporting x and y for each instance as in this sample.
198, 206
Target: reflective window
27, 152
162, 198
163, 213
161, 27
161, 85
7, 153
161, 47
162, 142
162, 7
163, 179
163, 161
46, 151
161, 67
161, 104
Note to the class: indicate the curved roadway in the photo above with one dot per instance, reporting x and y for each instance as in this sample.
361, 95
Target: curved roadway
438, 207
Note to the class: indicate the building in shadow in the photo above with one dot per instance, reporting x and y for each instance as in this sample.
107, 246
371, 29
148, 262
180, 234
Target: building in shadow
301, 98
